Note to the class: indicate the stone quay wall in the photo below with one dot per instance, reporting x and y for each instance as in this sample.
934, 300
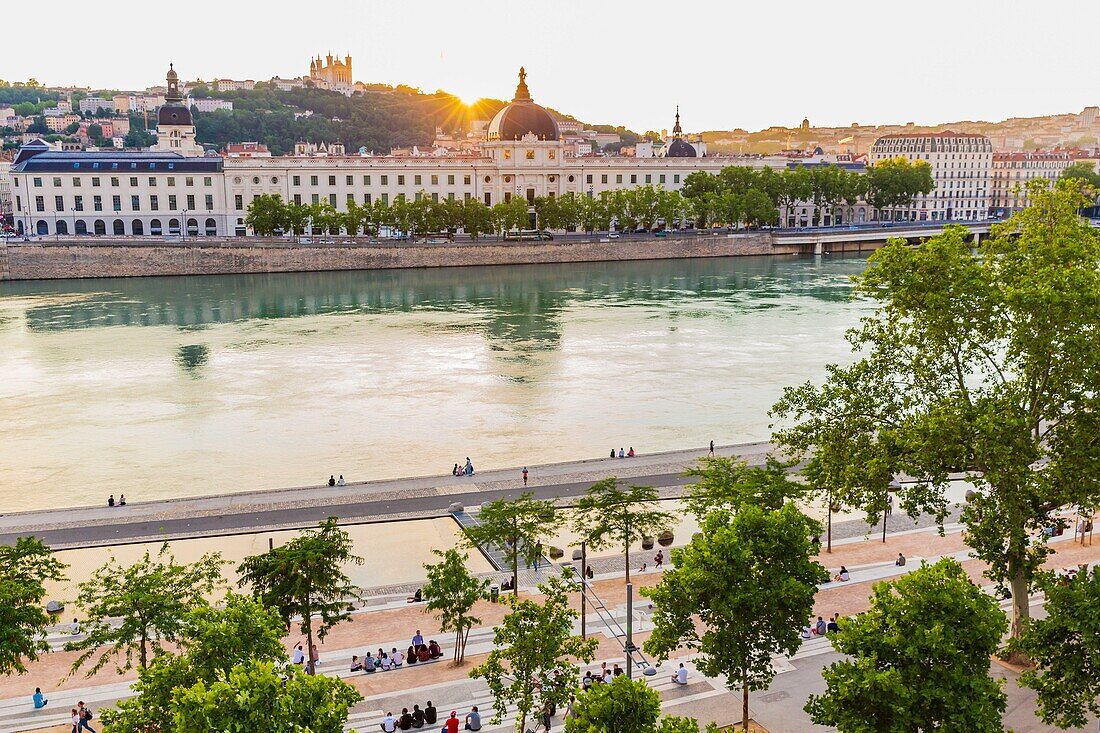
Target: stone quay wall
51, 260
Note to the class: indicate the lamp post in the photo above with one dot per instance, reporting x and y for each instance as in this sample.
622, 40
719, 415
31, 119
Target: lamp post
891, 488
183, 225
73, 211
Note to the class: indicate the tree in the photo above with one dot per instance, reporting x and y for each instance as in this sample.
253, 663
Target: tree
213, 641
517, 526
451, 592
257, 696
750, 581
531, 663
476, 218
796, 187
985, 364
24, 567
1065, 649
136, 609
731, 483
609, 514
624, 706
919, 659
95, 133
266, 214
305, 578
895, 182
1084, 172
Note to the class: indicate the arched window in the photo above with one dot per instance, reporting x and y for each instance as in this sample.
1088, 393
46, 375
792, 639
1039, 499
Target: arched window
81, 226
192, 227
211, 228
155, 228
119, 227
42, 227
99, 228
137, 227
62, 226
19, 228
173, 226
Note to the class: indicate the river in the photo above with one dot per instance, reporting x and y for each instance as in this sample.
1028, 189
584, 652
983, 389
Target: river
179, 386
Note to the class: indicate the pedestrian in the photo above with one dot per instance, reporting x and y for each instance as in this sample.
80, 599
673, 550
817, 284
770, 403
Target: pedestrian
538, 554
525, 475
712, 449
111, 500
389, 723
473, 719
417, 640
658, 559
74, 628
469, 467
622, 453
451, 726
340, 481
546, 717
39, 700
297, 655
331, 480
680, 677
418, 717
76, 720
122, 499
429, 713
406, 721
889, 505
900, 562
85, 714
612, 452
454, 471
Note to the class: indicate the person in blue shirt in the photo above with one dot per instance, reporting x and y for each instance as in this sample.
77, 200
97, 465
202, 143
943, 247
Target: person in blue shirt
39, 700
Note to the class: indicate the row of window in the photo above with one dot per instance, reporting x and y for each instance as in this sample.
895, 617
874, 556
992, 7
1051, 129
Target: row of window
207, 181
418, 179
116, 203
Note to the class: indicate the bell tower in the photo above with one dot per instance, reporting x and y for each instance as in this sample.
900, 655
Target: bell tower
175, 128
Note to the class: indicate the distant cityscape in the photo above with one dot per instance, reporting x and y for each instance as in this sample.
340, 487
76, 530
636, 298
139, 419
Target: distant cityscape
521, 149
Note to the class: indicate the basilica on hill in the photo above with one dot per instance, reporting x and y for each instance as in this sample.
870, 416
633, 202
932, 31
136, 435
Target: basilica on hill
176, 187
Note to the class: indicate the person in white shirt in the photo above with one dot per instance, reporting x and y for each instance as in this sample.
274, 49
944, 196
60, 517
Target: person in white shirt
389, 723
681, 676
74, 628
607, 676
396, 658
298, 656
340, 481
386, 662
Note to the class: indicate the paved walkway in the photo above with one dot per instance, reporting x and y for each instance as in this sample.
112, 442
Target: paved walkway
417, 497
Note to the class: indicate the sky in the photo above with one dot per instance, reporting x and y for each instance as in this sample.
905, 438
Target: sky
727, 64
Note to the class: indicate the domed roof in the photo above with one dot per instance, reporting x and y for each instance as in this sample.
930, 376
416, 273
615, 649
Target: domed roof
522, 117
172, 72
680, 149
173, 115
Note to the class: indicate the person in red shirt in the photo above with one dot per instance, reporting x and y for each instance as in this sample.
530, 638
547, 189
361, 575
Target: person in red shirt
452, 722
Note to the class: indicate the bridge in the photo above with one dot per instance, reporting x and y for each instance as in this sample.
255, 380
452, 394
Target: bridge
859, 238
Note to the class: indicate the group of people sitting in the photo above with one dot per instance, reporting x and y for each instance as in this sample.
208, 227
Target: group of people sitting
121, 500
822, 627
418, 651
842, 576
417, 718
603, 676
621, 454
333, 481
465, 470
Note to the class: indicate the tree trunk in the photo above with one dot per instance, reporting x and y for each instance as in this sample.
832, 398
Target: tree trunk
309, 647
1021, 610
744, 706
144, 656
626, 554
515, 572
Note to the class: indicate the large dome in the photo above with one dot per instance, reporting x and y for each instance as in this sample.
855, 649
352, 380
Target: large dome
681, 149
522, 117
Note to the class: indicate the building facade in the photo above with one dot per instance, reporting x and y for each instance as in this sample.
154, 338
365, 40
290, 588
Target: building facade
961, 170
1012, 172
332, 73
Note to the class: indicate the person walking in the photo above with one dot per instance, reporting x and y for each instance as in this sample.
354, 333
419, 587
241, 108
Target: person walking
76, 720
469, 467
85, 714
525, 475
538, 555
712, 449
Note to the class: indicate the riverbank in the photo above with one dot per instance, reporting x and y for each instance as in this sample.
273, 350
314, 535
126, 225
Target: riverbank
81, 258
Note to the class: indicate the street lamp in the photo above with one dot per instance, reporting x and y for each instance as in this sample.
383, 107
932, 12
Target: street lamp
73, 232
891, 488
183, 225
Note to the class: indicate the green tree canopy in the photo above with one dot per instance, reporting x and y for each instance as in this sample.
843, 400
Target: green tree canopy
24, 567
624, 706
980, 363
517, 526
612, 515
135, 609
918, 659
306, 578
531, 663
1065, 649
739, 593
266, 214
451, 592
730, 483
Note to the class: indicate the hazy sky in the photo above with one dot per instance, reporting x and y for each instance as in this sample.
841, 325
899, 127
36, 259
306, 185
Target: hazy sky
727, 64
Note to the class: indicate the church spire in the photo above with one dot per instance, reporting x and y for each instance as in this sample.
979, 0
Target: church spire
676, 130
522, 93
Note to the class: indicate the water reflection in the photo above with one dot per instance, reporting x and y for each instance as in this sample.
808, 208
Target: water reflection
191, 357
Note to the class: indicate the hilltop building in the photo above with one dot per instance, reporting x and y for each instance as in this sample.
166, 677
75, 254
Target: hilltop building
332, 73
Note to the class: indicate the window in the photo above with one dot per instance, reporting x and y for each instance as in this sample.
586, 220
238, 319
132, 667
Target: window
618, 178
466, 180
417, 180
209, 202
190, 202
450, 180
76, 181
530, 155
116, 203
152, 181
349, 180
313, 180
315, 198
78, 203
366, 198
57, 182
298, 199
188, 181
207, 180
133, 182
435, 180
332, 200
351, 198
552, 154
488, 199
154, 203
676, 178
603, 178
238, 202
135, 203
588, 178
633, 177
114, 181
37, 182
171, 180
58, 203
296, 180
97, 203
385, 198
172, 203
39, 203
385, 180
366, 180
435, 198
95, 181
648, 178
401, 180
418, 196
662, 178
332, 180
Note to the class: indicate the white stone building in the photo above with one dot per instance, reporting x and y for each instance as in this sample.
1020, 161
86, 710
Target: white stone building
961, 170
1011, 173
